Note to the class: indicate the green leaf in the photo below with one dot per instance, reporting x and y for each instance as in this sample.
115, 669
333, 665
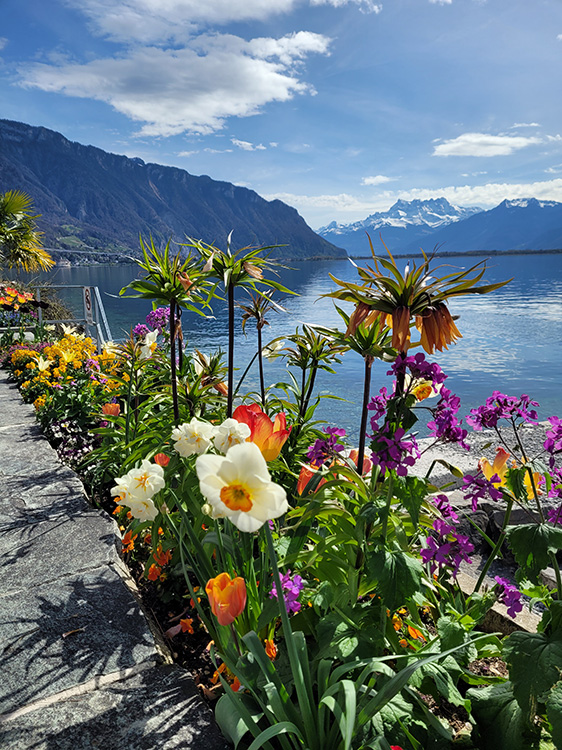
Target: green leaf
411, 492
535, 660
233, 724
500, 720
531, 545
554, 713
398, 574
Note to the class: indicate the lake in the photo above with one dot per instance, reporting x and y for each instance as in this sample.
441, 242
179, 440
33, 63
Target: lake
512, 338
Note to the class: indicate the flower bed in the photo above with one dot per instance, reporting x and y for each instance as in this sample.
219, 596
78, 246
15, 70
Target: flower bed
318, 579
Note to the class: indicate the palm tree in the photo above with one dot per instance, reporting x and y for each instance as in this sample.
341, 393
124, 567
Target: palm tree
20, 240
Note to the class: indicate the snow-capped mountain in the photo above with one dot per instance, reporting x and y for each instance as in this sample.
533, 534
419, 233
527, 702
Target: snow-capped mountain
404, 223
521, 224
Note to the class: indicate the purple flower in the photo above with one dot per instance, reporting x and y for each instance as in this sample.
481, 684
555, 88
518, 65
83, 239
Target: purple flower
159, 319
323, 450
378, 405
419, 367
448, 551
291, 589
392, 451
509, 595
499, 406
140, 330
445, 426
553, 442
554, 515
444, 507
477, 487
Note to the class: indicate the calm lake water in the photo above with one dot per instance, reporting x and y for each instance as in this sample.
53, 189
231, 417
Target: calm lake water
512, 338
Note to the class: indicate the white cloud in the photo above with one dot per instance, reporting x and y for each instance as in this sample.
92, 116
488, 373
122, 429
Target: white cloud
217, 150
3, 42
369, 6
247, 146
343, 207
273, 144
149, 21
525, 125
192, 89
187, 153
378, 179
441, 2
483, 144
157, 21
559, 37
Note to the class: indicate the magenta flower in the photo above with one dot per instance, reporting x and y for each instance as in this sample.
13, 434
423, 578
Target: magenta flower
394, 452
509, 595
323, 450
291, 590
446, 548
477, 487
445, 426
499, 406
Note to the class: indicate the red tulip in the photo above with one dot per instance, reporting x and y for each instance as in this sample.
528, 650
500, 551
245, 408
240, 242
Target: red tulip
269, 436
111, 409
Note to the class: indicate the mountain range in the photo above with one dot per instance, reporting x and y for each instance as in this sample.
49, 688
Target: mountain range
516, 225
92, 200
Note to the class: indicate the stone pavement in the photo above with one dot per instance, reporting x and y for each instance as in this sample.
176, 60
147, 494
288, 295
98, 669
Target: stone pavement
80, 665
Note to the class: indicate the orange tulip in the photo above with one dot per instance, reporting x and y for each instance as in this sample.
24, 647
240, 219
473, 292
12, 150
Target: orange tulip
269, 436
227, 597
112, 410
161, 459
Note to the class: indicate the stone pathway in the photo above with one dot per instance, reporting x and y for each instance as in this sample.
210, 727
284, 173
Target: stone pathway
81, 667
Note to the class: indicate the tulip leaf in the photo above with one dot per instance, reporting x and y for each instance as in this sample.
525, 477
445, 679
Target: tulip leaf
235, 724
500, 719
531, 545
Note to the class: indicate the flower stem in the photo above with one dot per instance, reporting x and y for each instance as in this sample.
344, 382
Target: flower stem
494, 552
230, 397
260, 366
364, 412
173, 361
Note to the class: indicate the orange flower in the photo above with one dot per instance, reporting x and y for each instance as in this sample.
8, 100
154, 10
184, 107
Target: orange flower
112, 410
185, 281
215, 677
227, 597
128, 541
161, 459
415, 633
367, 463
307, 472
269, 436
270, 649
236, 684
401, 328
437, 328
187, 625
162, 558
154, 572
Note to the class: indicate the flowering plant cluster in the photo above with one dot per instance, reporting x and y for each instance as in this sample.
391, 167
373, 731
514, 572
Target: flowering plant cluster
321, 576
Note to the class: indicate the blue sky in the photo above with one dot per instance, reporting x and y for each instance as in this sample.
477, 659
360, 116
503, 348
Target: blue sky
338, 107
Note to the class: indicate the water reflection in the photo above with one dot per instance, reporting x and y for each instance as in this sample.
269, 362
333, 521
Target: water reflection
512, 338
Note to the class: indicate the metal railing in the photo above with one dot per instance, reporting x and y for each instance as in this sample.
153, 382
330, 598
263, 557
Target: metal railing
93, 309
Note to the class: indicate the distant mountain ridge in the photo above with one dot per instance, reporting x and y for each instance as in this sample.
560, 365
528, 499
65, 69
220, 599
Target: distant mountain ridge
405, 222
92, 199
522, 224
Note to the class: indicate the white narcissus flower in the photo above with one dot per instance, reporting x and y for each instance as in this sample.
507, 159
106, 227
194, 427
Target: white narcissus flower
193, 437
147, 350
239, 487
136, 488
230, 432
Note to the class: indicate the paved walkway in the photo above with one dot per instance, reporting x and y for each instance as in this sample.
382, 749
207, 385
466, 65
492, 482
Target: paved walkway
80, 666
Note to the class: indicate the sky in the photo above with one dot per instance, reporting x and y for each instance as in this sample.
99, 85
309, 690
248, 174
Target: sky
337, 107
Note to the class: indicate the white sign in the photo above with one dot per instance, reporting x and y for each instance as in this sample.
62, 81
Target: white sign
88, 306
